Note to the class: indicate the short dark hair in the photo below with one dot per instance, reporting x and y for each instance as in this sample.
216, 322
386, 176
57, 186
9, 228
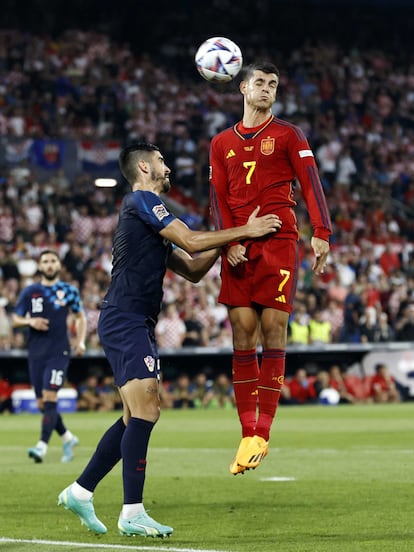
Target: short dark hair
48, 252
264, 66
129, 156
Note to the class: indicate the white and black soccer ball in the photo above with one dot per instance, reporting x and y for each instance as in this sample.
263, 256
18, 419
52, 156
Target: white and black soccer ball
218, 59
329, 396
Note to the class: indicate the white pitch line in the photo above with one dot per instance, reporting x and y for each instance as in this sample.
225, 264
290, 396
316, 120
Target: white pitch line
106, 546
278, 479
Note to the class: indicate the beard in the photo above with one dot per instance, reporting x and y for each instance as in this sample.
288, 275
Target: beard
49, 276
166, 186
165, 181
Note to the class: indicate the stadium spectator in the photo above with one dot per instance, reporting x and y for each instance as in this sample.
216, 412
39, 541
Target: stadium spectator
339, 381
383, 387
195, 333
108, 393
6, 405
301, 389
223, 391
404, 325
368, 326
170, 330
201, 391
88, 394
320, 330
182, 392
322, 381
334, 314
298, 327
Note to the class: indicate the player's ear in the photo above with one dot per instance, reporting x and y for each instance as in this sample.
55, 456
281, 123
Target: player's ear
242, 87
143, 165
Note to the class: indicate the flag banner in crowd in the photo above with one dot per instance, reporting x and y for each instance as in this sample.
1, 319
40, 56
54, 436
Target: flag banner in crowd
18, 150
99, 156
48, 153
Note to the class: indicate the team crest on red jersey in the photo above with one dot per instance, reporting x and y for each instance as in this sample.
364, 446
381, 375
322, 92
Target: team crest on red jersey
267, 146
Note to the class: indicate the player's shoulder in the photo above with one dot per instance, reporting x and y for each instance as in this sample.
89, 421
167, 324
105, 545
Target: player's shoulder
66, 286
32, 288
144, 197
223, 134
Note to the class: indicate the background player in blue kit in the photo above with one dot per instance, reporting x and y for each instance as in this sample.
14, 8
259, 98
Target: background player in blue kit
44, 308
142, 250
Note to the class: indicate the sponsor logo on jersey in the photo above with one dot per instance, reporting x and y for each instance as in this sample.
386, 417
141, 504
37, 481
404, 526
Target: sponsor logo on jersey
267, 146
248, 148
160, 211
230, 154
305, 153
281, 299
150, 363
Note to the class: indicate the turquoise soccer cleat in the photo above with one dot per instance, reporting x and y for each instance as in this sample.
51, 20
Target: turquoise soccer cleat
142, 524
68, 449
84, 509
36, 453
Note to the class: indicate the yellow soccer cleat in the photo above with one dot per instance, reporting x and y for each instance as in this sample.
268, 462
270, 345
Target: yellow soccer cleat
251, 456
235, 467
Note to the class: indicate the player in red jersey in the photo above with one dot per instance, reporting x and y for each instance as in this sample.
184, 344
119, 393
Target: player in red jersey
254, 163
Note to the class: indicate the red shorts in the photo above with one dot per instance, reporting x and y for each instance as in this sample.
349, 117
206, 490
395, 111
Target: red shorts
268, 278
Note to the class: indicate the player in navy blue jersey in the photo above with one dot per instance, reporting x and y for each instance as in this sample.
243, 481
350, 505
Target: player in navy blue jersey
44, 308
142, 251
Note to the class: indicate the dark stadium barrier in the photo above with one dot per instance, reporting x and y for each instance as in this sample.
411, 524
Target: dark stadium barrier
359, 359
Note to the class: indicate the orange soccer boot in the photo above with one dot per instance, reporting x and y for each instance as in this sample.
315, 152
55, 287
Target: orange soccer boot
235, 466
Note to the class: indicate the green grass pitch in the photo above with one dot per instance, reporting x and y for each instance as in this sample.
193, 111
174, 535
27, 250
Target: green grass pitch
337, 479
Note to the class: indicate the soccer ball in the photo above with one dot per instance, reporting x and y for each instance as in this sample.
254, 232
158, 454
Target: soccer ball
218, 59
329, 396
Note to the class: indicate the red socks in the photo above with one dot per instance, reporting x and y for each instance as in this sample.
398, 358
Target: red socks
245, 379
272, 370
252, 386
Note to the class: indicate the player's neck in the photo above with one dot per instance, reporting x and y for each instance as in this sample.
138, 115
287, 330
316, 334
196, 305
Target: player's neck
146, 187
254, 117
49, 283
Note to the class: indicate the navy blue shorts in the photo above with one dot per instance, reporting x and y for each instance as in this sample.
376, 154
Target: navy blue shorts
48, 373
128, 340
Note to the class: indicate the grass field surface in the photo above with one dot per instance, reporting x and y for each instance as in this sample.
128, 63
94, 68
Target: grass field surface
336, 479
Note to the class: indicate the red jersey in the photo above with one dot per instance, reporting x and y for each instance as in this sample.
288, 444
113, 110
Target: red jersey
258, 166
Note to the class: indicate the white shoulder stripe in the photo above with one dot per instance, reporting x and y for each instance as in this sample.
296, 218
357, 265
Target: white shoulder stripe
305, 153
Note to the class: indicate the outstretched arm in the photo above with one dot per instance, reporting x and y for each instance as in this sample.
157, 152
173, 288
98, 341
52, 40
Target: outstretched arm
194, 241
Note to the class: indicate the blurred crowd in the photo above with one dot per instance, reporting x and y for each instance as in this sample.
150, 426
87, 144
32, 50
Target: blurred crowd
334, 385
356, 108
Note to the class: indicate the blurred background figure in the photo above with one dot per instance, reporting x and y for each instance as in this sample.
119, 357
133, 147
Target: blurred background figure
6, 406
383, 387
224, 392
339, 381
300, 389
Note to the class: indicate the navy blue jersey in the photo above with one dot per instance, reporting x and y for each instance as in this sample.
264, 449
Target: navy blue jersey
140, 255
54, 303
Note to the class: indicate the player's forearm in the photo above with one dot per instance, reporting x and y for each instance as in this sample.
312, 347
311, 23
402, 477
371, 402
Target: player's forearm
203, 241
192, 268
81, 326
20, 321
